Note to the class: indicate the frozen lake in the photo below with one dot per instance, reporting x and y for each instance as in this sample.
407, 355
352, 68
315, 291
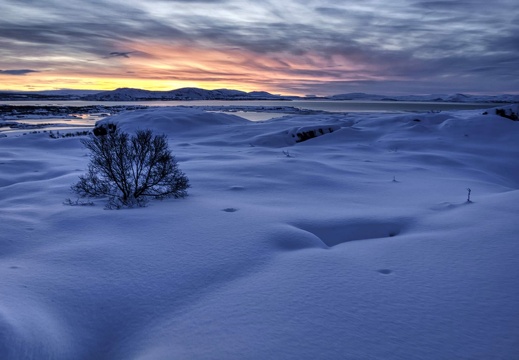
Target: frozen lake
251, 110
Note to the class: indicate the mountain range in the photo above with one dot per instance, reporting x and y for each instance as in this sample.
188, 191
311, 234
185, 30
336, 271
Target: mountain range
186, 94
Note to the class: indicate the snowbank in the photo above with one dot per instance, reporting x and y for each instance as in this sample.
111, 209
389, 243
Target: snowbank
171, 121
358, 245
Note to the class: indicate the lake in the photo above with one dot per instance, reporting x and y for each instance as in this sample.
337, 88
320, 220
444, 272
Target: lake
322, 105
258, 110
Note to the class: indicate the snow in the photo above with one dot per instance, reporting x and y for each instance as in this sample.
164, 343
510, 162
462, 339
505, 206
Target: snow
358, 243
456, 98
129, 94
193, 94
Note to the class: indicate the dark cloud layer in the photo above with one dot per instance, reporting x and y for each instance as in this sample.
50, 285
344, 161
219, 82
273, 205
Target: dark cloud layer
313, 46
17, 72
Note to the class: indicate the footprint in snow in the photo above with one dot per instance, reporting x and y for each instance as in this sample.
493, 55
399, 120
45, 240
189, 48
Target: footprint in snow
385, 271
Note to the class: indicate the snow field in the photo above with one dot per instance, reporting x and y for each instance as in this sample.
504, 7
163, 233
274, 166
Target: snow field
356, 244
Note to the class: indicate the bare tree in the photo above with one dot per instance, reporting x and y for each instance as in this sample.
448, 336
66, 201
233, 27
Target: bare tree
131, 169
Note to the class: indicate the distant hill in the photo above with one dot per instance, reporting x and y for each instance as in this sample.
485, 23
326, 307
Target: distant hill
61, 95
459, 98
128, 94
68, 92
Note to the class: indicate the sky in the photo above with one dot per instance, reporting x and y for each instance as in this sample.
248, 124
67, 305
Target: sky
286, 47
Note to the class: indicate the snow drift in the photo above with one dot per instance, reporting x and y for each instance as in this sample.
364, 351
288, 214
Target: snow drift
359, 245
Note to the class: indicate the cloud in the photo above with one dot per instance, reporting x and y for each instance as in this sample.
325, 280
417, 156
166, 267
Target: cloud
120, 54
321, 42
17, 72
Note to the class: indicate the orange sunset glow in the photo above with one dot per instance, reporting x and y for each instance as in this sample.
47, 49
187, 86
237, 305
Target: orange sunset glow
159, 66
291, 48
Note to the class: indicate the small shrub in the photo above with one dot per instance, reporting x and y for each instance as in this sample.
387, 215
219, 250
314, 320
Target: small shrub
77, 202
130, 169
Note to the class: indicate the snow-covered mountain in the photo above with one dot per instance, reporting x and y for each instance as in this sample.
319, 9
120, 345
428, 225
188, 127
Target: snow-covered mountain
190, 93
128, 94
68, 92
460, 98
61, 95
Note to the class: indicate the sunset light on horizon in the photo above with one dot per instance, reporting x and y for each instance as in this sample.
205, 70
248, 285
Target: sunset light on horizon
293, 48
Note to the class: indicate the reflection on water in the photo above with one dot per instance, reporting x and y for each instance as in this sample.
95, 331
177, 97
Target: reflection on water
25, 125
79, 121
252, 110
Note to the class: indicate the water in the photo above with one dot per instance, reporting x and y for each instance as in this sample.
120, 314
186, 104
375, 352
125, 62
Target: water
252, 110
35, 124
324, 105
